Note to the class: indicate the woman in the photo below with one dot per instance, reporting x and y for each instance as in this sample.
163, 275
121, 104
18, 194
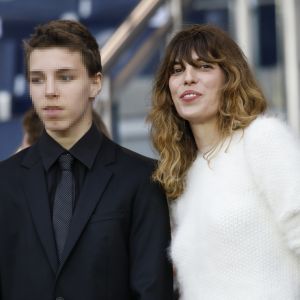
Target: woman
233, 172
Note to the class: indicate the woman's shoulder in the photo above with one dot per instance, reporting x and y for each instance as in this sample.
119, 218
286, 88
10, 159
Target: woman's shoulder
266, 123
268, 127
269, 136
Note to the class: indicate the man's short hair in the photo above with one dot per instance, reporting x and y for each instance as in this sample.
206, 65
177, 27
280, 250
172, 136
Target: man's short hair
65, 34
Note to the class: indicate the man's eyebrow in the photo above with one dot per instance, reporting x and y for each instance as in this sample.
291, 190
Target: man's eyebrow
65, 70
37, 72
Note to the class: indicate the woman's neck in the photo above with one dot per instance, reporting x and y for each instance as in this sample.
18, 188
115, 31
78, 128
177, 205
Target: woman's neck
206, 136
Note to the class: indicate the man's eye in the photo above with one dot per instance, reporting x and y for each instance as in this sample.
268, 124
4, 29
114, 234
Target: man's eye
36, 80
65, 77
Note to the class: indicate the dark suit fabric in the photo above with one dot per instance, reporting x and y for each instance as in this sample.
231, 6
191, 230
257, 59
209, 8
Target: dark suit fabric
117, 245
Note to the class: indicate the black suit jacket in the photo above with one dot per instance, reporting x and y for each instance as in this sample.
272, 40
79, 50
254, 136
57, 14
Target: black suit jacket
117, 244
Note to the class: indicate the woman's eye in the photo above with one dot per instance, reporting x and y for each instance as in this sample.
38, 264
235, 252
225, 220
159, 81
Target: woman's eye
205, 66
176, 69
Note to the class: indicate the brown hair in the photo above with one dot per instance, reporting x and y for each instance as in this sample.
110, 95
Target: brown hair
32, 125
100, 125
66, 34
241, 100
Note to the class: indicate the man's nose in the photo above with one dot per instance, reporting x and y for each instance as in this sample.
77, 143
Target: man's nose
51, 88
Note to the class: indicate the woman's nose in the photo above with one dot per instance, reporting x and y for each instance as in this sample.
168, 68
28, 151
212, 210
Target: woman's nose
190, 76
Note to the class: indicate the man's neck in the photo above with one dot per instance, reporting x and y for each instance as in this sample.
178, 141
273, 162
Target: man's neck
67, 139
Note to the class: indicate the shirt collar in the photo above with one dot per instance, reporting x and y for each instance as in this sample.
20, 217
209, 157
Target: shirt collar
85, 150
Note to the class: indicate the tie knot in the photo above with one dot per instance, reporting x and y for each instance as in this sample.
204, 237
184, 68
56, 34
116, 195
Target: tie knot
65, 161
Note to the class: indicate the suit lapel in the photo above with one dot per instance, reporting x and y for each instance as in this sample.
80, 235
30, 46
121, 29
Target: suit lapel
35, 188
95, 183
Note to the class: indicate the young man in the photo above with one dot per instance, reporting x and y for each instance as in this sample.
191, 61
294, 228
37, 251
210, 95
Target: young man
80, 218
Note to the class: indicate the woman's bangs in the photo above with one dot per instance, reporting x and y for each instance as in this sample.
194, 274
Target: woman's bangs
182, 52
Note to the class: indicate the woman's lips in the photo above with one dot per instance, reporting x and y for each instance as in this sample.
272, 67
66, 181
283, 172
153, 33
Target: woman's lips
190, 95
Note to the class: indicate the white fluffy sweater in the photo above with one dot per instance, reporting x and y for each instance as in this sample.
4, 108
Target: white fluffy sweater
237, 225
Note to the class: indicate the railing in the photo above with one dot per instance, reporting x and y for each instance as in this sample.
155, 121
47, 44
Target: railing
118, 43
133, 24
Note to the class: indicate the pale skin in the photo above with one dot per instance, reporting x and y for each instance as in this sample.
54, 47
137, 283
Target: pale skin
62, 93
195, 91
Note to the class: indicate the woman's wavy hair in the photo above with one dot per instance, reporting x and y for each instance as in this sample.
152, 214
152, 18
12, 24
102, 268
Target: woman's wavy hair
241, 101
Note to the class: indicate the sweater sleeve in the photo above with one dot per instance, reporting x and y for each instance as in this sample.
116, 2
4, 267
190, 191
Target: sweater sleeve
273, 153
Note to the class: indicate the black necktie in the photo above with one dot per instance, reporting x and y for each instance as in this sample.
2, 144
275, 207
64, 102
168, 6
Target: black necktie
63, 202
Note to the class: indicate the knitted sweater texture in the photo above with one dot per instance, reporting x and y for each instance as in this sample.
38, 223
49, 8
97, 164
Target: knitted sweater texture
237, 225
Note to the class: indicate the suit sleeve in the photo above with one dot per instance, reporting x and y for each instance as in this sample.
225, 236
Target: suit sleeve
151, 271
273, 153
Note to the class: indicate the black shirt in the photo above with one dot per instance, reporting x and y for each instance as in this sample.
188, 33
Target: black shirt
84, 153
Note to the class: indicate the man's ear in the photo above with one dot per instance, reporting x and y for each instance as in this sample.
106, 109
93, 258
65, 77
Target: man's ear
96, 85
